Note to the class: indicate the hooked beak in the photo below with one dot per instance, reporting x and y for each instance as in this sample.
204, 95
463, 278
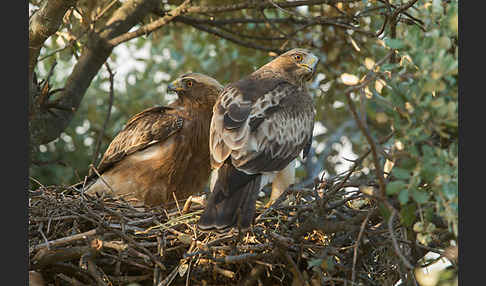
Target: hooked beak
175, 86
310, 63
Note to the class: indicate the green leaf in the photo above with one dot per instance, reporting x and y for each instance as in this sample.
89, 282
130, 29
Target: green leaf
450, 190
420, 197
400, 173
403, 196
384, 211
394, 43
408, 163
395, 186
407, 214
428, 172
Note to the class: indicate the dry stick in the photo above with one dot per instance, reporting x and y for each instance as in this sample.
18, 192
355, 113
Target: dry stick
369, 77
70, 280
103, 224
294, 267
169, 277
394, 240
355, 254
104, 10
227, 273
357, 162
64, 240
105, 123
46, 257
255, 274
95, 273
43, 235
102, 179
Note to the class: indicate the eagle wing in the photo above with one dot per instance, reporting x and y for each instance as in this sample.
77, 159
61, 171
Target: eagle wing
261, 130
151, 126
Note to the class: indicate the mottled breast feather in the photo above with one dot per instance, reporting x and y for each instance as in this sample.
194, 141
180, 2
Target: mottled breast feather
262, 125
146, 128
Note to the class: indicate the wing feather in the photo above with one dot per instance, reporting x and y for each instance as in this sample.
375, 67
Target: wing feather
261, 134
151, 126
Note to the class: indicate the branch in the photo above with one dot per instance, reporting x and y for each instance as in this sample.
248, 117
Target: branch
263, 5
65, 240
110, 104
46, 126
44, 23
368, 78
152, 26
230, 37
394, 240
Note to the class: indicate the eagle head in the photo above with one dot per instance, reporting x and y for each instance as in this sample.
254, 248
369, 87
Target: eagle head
298, 65
196, 88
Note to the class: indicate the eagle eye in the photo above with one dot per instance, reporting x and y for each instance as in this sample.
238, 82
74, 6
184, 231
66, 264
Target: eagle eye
189, 83
298, 57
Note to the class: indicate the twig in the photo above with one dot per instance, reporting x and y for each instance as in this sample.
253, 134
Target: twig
181, 9
105, 123
230, 37
294, 268
356, 244
169, 277
104, 10
101, 178
65, 240
369, 77
224, 272
70, 280
394, 240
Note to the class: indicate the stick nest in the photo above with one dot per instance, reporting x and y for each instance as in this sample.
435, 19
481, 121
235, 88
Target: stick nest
318, 236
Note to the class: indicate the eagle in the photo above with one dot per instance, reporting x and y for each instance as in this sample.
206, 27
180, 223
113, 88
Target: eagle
260, 124
162, 151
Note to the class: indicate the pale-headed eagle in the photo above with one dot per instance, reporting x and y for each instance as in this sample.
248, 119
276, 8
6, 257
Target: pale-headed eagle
260, 125
164, 149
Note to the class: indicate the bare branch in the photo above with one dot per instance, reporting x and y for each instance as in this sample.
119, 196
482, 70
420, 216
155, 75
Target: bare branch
230, 37
110, 104
369, 77
262, 5
152, 26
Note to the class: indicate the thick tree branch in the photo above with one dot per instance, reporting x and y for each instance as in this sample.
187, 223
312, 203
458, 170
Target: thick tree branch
44, 23
262, 5
46, 126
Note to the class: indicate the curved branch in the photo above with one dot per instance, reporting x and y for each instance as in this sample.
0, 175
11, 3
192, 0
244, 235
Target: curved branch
44, 23
229, 37
46, 126
152, 26
263, 5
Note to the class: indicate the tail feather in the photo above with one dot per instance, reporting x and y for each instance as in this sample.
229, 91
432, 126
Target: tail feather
232, 200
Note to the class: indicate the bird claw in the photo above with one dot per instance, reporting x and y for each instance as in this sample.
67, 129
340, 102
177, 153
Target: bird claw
200, 200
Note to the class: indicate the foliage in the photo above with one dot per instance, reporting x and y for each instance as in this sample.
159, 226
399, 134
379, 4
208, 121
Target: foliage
414, 95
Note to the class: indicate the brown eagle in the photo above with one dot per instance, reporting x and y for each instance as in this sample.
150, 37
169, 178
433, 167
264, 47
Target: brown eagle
260, 125
163, 149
